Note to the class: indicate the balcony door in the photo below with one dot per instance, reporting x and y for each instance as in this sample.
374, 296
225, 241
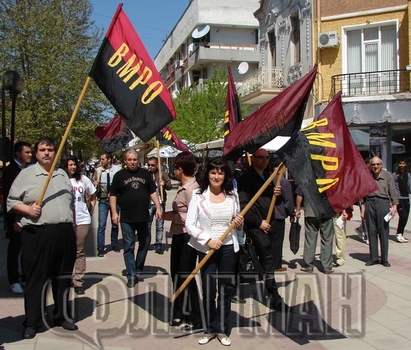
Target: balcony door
372, 50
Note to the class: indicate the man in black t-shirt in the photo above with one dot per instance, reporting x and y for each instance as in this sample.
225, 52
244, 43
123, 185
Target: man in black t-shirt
132, 190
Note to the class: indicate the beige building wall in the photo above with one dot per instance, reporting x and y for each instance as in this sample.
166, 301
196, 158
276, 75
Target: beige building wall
330, 59
332, 7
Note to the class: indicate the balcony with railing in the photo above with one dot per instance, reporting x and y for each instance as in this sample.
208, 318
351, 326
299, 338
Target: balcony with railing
385, 82
262, 82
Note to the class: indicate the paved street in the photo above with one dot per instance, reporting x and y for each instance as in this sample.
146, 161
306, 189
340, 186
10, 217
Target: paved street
357, 307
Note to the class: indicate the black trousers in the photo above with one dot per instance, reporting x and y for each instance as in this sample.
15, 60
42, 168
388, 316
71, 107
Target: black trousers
278, 229
403, 210
264, 244
48, 254
183, 260
13, 253
375, 210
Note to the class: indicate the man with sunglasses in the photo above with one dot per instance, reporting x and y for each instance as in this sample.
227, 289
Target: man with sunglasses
257, 228
163, 185
378, 209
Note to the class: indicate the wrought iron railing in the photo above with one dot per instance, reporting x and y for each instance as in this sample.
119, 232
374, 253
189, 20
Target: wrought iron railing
371, 83
263, 78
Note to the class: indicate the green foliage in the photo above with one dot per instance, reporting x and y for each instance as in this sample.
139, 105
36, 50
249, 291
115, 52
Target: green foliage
200, 109
52, 44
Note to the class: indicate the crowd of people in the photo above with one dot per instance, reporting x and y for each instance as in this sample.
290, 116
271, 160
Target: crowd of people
51, 233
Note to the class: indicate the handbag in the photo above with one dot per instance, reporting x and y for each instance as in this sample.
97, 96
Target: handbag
294, 236
249, 267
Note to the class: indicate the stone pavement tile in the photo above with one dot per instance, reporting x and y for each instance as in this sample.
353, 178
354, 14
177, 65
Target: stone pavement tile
398, 302
387, 341
20, 346
402, 328
44, 343
391, 286
347, 343
387, 314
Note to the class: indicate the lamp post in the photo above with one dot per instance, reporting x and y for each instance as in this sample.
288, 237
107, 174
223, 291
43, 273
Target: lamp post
15, 84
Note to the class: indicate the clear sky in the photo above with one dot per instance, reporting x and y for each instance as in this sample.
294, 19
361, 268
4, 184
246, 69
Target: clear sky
153, 20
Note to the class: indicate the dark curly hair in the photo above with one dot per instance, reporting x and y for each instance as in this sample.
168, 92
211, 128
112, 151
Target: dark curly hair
77, 174
219, 164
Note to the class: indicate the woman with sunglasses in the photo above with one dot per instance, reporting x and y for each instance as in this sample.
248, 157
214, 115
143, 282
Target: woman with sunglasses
183, 257
211, 211
82, 185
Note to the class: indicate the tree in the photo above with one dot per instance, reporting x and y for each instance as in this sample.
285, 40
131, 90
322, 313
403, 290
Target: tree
52, 44
200, 109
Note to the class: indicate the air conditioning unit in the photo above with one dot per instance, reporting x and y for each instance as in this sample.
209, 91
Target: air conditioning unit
181, 64
328, 39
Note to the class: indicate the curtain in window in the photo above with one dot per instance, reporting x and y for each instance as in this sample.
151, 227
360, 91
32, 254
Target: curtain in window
388, 48
354, 51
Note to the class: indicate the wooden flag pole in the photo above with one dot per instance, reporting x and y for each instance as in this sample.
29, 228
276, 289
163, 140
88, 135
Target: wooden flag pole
248, 158
229, 229
281, 170
160, 174
63, 141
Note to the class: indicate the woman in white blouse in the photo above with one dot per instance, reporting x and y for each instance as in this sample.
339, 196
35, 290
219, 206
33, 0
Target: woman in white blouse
211, 211
81, 185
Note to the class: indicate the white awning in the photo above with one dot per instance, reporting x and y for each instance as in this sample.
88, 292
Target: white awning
165, 152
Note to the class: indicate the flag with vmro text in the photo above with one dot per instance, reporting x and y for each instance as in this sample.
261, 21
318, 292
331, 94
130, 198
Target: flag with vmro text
125, 73
114, 135
326, 164
166, 136
281, 116
232, 106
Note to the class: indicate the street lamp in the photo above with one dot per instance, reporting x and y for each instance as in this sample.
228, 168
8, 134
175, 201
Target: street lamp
14, 83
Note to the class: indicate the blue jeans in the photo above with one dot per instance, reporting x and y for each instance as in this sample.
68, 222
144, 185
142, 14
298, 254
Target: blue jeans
159, 225
103, 210
135, 267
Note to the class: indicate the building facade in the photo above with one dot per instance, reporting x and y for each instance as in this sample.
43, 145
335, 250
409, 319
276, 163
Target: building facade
209, 33
285, 47
363, 50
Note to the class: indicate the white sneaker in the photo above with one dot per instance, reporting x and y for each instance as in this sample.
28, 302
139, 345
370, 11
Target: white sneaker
404, 240
16, 288
400, 238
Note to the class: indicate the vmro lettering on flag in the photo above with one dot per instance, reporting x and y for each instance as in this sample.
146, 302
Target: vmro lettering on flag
135, 73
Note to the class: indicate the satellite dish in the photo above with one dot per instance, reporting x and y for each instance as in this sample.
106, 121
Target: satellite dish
199, 32
175, 94
242, 68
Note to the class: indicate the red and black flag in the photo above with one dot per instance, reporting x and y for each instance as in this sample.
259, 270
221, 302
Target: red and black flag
282, 115
113, 136
166, 136
125, 73
232, 107
326, 164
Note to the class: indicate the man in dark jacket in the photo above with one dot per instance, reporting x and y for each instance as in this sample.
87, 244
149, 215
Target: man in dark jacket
402, 180
22, 159
162, 185
258, 229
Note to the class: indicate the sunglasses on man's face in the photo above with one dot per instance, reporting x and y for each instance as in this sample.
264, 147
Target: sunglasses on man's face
262, 157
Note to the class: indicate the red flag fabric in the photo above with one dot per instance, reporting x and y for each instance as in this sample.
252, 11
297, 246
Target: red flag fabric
166, 136
113, 128
326, 164
125, 73
282, 115
113, 136
232, 106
